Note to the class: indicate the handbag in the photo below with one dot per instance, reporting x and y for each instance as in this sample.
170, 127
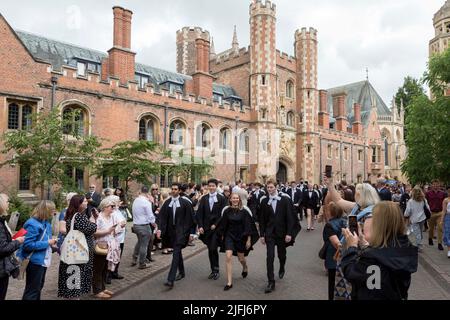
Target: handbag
101, 248
11, 267
427, 212
24, 263
74, 249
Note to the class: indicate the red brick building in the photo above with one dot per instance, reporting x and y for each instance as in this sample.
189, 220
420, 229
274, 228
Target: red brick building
284, 125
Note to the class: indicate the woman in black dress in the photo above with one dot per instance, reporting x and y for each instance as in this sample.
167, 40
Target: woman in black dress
238, 233
76, 280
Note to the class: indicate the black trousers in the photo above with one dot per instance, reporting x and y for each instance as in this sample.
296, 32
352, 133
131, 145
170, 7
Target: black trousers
331, 283
35, 279
3, 287
99, 274
281, 250
177, 263
213, 255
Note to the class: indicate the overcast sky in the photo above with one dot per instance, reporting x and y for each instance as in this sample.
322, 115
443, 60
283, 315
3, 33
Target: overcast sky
390, 37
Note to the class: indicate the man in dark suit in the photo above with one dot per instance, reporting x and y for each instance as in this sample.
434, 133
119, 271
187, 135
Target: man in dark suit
296, 196
176, 222
383, 191
208, 215
255, 199
93, 198
277, 225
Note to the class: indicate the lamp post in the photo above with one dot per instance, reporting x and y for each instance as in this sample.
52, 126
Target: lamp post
54, 81
236, 147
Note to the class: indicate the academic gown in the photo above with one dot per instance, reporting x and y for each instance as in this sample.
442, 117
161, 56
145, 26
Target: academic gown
206, 218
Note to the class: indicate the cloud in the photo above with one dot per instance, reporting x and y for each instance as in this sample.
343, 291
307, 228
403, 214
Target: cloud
389, 37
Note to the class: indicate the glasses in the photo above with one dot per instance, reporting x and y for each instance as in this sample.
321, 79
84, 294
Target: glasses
155, 189
113, 206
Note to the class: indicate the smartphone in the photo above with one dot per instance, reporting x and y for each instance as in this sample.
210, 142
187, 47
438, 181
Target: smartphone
328, 171
353, 224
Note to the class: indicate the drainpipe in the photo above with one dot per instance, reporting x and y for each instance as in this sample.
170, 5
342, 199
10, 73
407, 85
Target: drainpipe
166, 107
236, 148
320, 155
54, 81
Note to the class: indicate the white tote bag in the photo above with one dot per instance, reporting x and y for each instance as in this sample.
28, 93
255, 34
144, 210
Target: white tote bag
74, 249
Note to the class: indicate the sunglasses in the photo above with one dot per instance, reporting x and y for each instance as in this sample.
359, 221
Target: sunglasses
113, 206
155, 189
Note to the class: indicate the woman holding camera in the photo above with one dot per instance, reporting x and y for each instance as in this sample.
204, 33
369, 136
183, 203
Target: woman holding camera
383, 270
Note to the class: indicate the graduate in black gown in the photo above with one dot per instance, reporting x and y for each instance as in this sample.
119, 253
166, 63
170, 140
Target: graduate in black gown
177, 220
208, 214
237, 234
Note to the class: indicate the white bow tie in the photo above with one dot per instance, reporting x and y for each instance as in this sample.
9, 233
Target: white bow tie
213, 196
271, 199
176, 202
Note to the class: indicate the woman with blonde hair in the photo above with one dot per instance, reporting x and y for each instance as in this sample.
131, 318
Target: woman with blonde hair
38, 248
389, 256
237, 232
415, 212
105, 244
8, 264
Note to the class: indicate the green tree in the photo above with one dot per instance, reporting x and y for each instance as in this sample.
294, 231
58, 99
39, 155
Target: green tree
46, 150
428, 125
190, 168
131, 161
411, 88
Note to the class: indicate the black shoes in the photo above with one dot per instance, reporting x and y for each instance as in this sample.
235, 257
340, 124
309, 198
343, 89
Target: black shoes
270, 287
180, 276
108, 280
244, 274
281, 274
117, 276
430, 242
214, 276
440, 247
169, 284
227, 287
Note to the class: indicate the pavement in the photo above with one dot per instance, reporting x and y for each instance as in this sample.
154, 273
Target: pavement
305, 277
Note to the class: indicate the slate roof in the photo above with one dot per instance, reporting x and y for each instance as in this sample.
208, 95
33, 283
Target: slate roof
60, 53
359, 92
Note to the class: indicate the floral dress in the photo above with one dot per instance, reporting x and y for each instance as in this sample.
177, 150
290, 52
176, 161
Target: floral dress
76, 280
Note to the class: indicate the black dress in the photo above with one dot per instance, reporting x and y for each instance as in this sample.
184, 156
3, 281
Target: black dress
234, 228
67, 286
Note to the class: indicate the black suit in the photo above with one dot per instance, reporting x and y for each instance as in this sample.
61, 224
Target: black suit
254, 201
274, 226
296, 198
96, 199
178, 231
205, 219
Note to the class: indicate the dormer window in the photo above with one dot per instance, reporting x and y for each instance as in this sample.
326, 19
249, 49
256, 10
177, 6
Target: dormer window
142, 80
218, 98
81, 69
173, 87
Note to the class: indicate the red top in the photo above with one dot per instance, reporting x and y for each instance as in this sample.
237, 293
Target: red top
435, 199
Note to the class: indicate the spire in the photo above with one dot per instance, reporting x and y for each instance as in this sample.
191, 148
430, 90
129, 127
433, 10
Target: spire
212, 53
235, 44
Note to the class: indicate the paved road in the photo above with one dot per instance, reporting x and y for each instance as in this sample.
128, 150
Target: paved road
305, 278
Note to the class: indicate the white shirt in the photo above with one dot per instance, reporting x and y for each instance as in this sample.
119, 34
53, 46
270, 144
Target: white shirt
142, 211
212, 200
120, 232
174, 204
273, 200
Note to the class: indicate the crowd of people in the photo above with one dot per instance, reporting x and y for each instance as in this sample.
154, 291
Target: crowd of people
230, 219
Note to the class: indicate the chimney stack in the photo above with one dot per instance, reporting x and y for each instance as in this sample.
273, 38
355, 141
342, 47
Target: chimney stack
324, 116
121, 60
203, 80
357, 124
339, 107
